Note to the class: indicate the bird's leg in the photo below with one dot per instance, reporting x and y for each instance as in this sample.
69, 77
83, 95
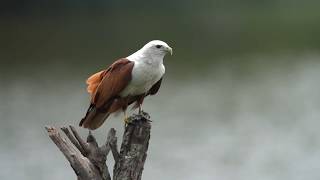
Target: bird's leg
126, 119
140, 101
140, 109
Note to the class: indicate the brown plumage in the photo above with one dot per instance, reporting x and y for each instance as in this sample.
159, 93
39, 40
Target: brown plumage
105, 88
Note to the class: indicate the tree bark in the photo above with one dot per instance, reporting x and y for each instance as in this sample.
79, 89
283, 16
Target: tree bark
133, 151
88, 159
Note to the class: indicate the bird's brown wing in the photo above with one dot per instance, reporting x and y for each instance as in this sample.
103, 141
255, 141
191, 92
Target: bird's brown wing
104, 88
94, 81
105, 85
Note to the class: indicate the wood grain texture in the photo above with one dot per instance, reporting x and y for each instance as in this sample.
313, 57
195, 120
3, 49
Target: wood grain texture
134, 148
88, 159
81, 165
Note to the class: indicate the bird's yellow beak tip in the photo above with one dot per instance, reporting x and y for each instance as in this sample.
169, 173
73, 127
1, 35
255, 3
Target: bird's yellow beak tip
170, 50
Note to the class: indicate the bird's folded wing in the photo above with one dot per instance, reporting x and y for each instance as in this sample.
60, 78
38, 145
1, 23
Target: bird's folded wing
93, 81
106, 85
155, 88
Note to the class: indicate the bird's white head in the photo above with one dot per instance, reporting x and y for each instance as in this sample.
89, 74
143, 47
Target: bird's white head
153, 51
157, 47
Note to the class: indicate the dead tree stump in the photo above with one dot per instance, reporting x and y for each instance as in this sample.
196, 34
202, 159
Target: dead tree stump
88, 159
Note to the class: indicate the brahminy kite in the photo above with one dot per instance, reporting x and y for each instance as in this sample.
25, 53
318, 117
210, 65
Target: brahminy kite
128, 80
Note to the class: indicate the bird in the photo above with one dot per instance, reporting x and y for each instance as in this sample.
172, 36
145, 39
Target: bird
126, 81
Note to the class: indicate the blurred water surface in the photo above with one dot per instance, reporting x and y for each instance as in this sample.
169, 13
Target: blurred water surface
254, 121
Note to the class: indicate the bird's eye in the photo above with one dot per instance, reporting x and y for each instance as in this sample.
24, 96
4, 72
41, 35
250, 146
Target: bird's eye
158, 46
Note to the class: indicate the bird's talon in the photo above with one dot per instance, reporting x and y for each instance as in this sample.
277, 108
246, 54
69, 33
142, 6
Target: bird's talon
127, 120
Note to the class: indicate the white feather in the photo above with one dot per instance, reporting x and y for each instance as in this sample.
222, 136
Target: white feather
148, 68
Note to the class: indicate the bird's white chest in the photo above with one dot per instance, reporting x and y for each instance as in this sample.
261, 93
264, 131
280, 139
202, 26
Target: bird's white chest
144, 76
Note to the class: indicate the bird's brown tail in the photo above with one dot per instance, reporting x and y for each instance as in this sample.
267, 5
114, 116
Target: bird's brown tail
93, 118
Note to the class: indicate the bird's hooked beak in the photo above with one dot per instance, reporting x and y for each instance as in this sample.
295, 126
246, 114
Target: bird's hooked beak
169, 49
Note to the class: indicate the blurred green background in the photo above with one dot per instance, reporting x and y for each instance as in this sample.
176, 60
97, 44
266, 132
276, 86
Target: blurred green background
240, 98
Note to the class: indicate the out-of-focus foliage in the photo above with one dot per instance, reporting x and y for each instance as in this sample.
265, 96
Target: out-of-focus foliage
71, 31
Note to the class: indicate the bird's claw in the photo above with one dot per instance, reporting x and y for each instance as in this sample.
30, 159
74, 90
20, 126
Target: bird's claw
144, 115
127, 120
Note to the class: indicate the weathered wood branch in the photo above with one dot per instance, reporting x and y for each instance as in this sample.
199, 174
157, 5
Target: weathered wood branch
133, 151
88, 159
82, 166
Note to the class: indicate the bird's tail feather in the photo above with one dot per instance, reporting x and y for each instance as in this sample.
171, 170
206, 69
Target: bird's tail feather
93, 118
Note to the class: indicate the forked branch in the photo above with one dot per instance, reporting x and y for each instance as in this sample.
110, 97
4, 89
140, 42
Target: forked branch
88, 159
